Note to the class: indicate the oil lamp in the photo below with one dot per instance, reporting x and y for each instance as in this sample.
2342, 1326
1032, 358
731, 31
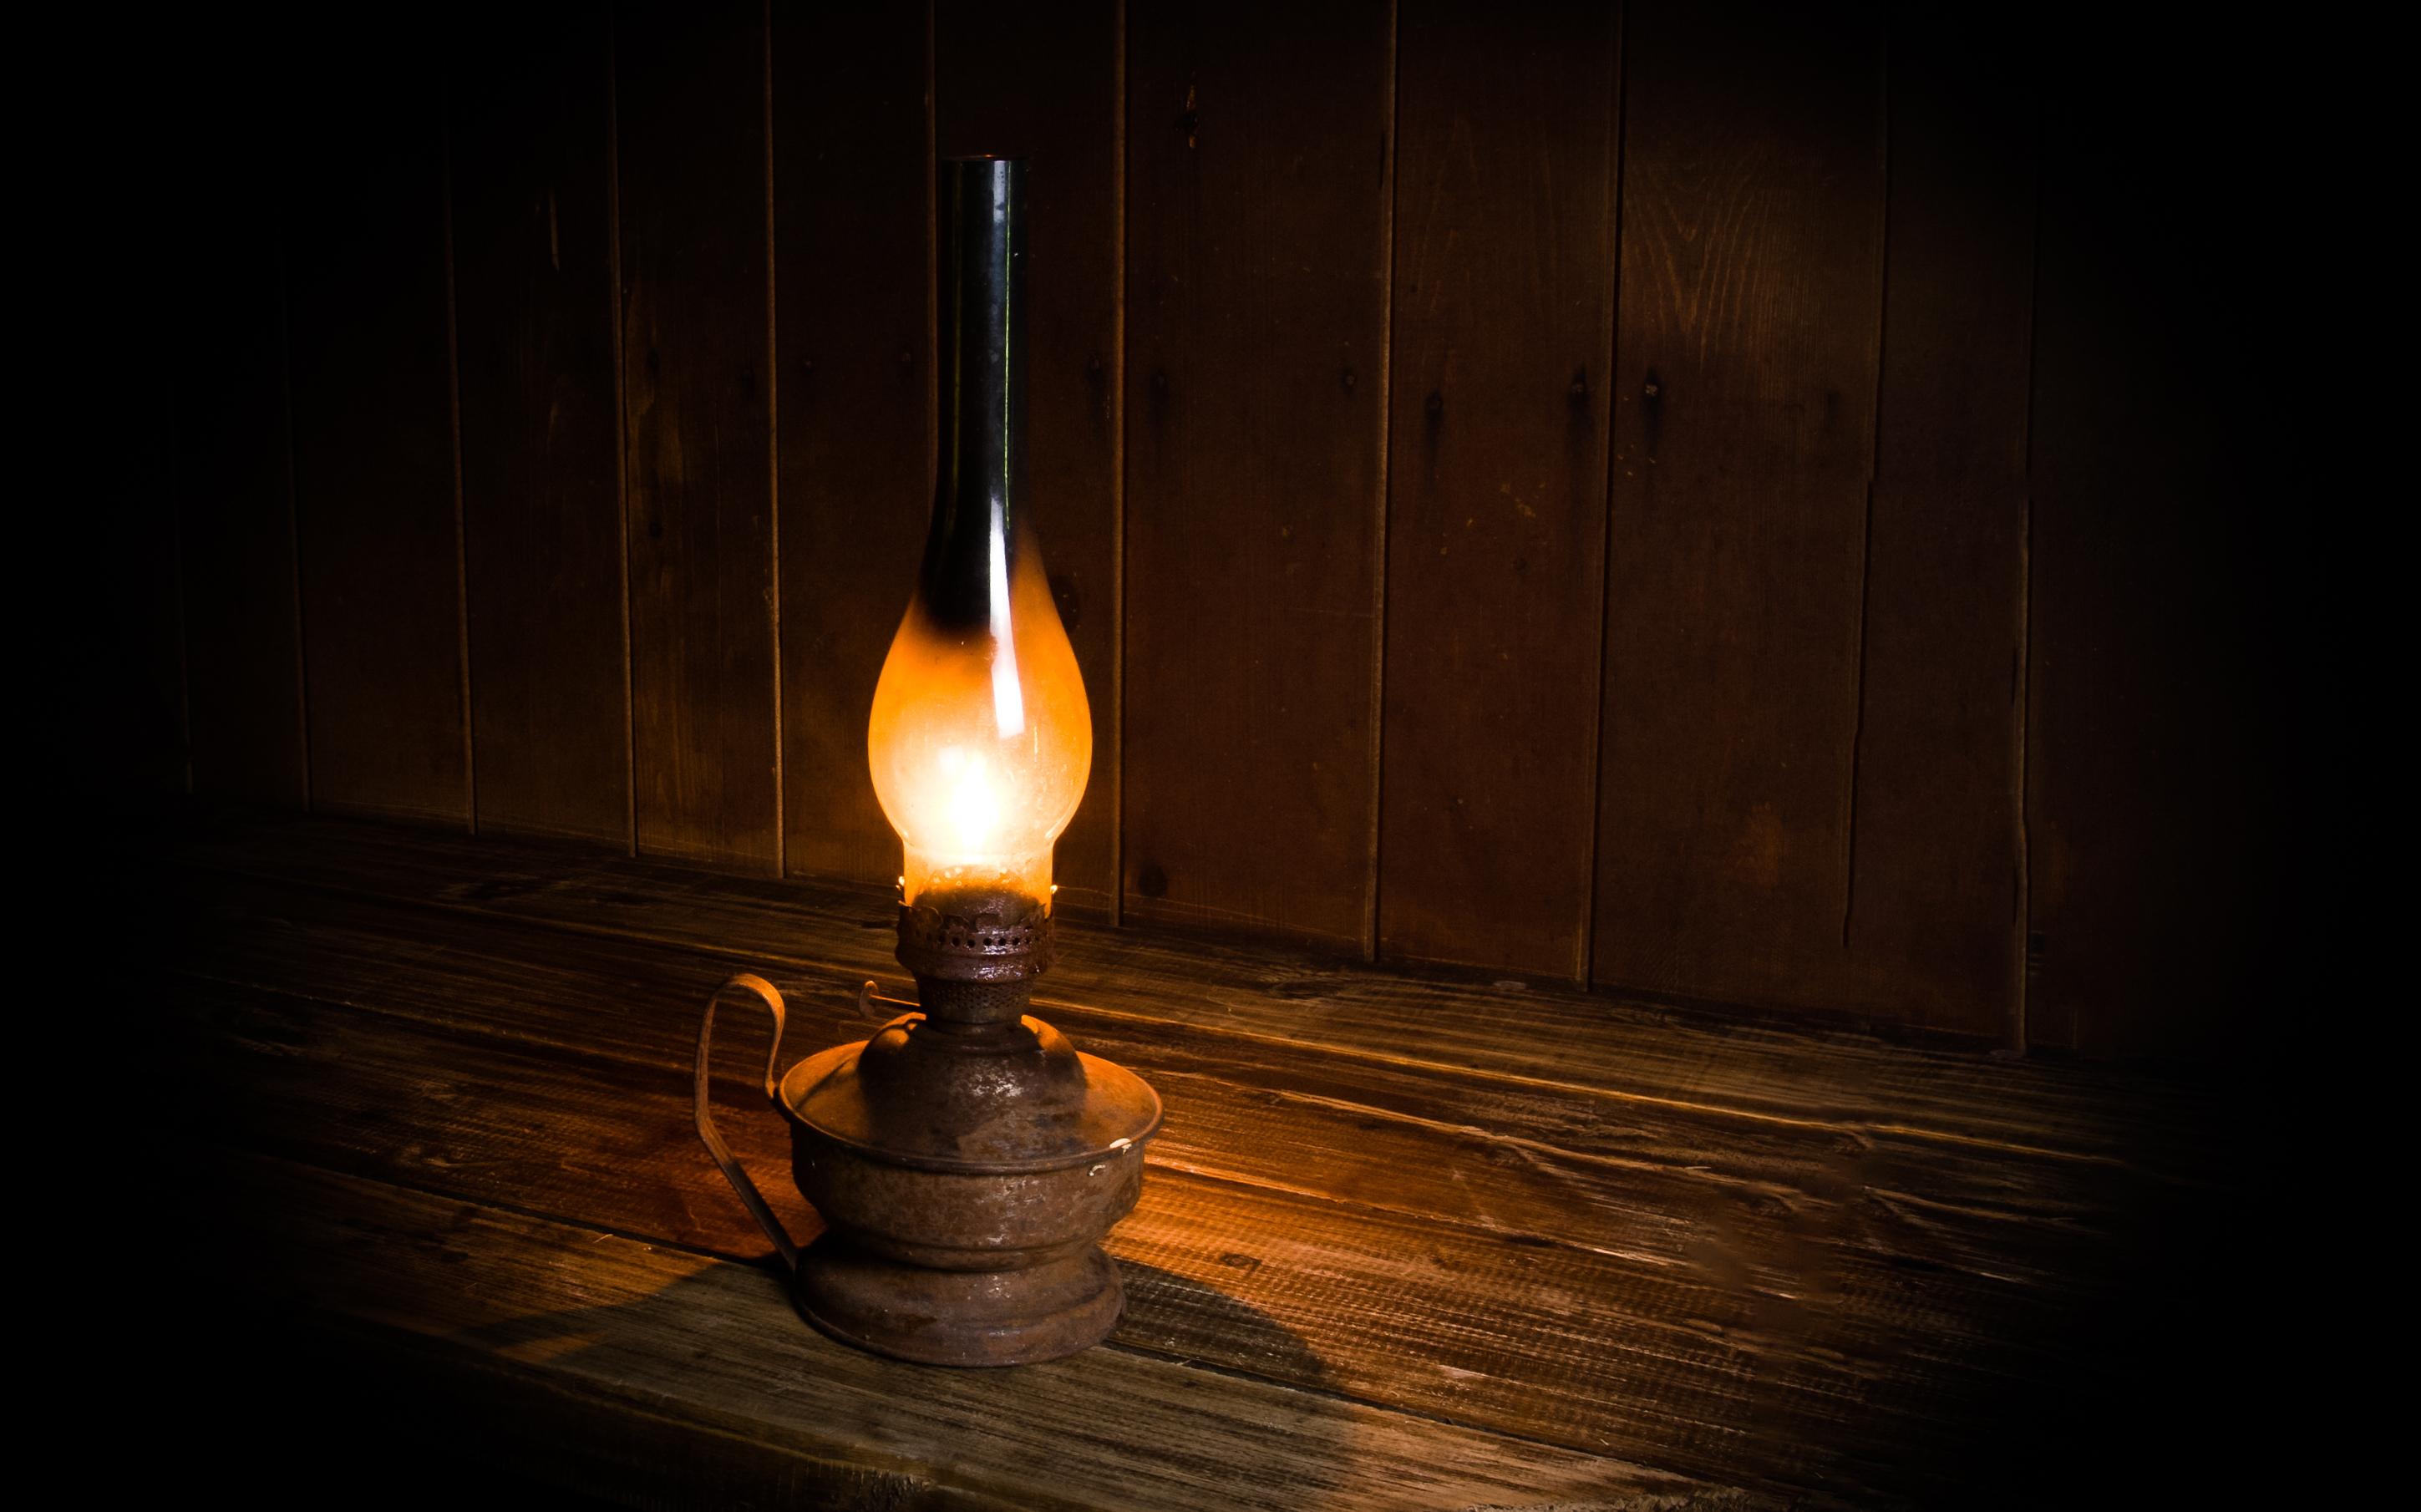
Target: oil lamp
968, 1159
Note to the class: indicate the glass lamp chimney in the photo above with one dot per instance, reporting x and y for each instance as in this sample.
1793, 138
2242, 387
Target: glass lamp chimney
981, 738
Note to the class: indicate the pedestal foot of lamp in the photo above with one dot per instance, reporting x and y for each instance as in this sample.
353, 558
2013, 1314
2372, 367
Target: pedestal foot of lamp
959, 1318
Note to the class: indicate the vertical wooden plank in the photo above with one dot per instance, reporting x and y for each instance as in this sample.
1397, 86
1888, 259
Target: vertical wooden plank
698, 387
1935, 909
852, 152
1041, 83
235, 504
1753, 182
531, 123
1257, 196
2150, 832
374, 439
1503, 314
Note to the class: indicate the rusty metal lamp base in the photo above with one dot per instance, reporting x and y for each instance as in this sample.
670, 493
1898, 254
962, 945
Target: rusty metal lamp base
968, 1159
957, 1318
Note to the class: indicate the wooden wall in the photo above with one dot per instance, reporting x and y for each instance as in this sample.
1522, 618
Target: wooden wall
1669, 495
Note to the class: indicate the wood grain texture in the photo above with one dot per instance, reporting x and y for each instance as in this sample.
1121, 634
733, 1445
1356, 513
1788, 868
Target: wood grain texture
531, 116
1256, 277
691, 1379
1732, 1327
1503, 327
1042, 82
1755, 1068
555, 1082
1753, 185
1935, 910
374, 464
852, 172
1702, 1286
1811, 791
237, 576
1624, 1174
690, 87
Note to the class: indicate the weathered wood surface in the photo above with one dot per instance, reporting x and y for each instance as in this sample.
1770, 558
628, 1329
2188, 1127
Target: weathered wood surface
1496, 516
1545, 1143
691, 116
674, 1377
1752, 282
530, 117
1936, 903
853, 286
1795, 1301
1731, 711
1258, 169
1533, 1034
369, 301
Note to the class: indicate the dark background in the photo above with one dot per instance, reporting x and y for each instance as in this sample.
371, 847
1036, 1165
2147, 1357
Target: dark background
1741, 503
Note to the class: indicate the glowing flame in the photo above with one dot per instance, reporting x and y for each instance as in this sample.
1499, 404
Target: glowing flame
974, 809
980, 738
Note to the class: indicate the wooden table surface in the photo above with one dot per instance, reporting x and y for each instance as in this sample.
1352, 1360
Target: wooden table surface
1408, 1241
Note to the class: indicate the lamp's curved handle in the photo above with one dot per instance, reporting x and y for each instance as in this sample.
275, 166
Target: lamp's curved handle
715, 1144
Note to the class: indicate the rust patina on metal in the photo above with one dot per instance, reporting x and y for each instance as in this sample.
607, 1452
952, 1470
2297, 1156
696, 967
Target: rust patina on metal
967, 1159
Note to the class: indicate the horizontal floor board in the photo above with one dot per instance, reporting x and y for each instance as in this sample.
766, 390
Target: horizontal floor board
1619, 1173
689, 1380
1826, 1367
1538, 1033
